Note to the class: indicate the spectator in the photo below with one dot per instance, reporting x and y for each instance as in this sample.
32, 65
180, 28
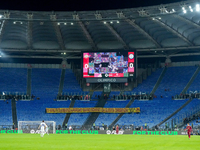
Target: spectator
70, 127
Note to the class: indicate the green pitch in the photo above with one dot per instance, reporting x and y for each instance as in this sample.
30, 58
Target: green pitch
97, 142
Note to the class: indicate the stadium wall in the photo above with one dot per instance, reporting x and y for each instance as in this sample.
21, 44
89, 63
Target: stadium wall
134, 132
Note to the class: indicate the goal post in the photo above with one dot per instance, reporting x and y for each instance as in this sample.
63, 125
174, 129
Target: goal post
32, 126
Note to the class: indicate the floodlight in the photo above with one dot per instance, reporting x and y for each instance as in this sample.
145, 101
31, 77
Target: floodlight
72, 23
184, 11
104, 22
117, 21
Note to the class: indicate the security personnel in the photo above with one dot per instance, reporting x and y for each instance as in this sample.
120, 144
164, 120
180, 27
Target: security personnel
66, 126
94, 126
175, 126
145, 125
165, 125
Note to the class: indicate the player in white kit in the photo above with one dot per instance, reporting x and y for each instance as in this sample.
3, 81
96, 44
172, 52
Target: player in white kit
47, 129
42, 128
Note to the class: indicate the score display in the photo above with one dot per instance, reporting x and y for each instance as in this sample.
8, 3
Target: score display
108, 64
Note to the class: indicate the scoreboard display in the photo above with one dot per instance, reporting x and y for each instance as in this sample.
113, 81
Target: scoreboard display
108, 64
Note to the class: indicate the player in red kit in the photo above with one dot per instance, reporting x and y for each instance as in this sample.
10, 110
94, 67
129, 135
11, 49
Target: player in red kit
189, 130
117, 129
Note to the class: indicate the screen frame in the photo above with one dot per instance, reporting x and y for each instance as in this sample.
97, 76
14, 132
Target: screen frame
95, 51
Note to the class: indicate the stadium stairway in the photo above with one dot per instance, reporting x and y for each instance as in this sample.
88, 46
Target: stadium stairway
175, 112
62, 78
93, 116
28, 90
191, 80
14, 112
68, 114
120, 115
158, 81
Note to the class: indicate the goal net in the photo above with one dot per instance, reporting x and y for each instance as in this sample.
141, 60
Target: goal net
32, 126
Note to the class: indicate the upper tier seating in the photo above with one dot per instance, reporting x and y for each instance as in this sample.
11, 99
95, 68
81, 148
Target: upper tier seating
148, 84
175, 79
13, 80
70, 82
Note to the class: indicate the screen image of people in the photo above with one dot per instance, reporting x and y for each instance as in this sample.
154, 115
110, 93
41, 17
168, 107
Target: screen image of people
107, 64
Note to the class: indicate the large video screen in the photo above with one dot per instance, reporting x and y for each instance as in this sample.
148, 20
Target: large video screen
108, 64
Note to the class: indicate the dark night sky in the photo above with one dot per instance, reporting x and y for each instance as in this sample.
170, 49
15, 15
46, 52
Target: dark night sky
77, 5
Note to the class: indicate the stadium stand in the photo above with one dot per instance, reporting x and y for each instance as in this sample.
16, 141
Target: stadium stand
148, 84
195, 85
45, 84
188, 111
78, 119
175, 79
152, 112
107, 119
70, 83
5, 113
156, 33
18, 76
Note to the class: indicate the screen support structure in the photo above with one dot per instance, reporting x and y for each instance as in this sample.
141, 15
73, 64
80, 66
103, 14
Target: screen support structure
106, 87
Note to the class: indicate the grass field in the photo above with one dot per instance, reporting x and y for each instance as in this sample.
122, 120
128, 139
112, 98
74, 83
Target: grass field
97, 142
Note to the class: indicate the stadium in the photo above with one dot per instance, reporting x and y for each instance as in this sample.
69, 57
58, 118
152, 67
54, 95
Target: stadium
133, 72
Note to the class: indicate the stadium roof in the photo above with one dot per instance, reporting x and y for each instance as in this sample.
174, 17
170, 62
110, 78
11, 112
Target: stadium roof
155, 31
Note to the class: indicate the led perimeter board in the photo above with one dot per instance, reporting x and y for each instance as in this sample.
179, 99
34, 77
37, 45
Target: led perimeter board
109, 64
